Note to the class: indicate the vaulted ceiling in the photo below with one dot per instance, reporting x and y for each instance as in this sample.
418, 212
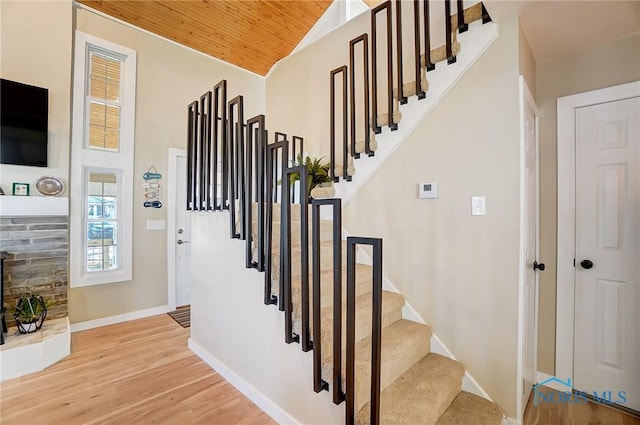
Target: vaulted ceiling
255, 34
252, 34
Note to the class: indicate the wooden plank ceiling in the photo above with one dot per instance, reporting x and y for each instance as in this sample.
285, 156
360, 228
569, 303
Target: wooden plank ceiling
252, 34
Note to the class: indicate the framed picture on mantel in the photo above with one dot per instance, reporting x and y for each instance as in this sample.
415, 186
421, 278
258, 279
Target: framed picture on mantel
21, 189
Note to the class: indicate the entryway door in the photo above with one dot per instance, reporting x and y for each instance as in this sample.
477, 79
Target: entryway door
607, 250
531, 266
179, 232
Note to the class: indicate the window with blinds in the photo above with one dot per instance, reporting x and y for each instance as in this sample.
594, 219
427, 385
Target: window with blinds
102, 154
103, 101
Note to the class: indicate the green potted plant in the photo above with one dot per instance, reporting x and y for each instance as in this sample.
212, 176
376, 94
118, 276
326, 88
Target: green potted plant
317, 172
30, 312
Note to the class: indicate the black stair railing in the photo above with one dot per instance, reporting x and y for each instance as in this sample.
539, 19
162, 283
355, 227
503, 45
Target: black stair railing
462, 26
376, 328
426, 18
345, 152
205, 146
271, 183
256, 141
364, 39
318, 383
192, 140
285, 257
219, 144
235, 136
384, 7
399, 58
451, 58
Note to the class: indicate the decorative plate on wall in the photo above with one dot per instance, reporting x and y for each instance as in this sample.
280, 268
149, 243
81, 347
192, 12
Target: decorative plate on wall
49, 186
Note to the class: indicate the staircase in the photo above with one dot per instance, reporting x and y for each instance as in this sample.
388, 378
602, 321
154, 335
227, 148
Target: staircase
364, 352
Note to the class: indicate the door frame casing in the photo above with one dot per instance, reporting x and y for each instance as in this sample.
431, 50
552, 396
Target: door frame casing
525, 99
172, 195
566, 252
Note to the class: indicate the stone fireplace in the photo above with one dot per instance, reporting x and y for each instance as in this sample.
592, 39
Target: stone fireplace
36, 260
34, 242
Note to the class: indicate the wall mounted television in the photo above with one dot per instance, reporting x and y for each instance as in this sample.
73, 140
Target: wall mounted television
24, 112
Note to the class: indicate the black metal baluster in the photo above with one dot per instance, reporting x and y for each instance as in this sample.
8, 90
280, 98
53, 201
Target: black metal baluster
270, 183
191, 157
345, 153
205, 107
364, 39
234, 143
219, 136
386, 6
318, 383
427, 38
416, 49
485, 15
401, 97
462, 26
448, 32
256, 142
376, 328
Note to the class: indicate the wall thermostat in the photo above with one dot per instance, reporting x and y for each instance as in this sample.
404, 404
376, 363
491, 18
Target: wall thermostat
428, 190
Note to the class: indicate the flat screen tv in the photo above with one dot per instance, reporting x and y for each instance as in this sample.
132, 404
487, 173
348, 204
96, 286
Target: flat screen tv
24, 111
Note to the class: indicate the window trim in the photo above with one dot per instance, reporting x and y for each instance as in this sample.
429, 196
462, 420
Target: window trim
85, 159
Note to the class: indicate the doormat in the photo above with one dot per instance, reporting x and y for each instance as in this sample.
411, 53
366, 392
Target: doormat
182, 315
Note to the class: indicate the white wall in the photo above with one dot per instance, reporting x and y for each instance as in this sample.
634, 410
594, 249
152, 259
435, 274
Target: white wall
35, 46
230, 321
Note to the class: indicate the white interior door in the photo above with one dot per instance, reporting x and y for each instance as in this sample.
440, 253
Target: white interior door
531, 237
607, 264
182, 236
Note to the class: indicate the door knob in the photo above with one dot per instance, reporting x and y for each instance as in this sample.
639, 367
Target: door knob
586, 264
180, 241
538, 266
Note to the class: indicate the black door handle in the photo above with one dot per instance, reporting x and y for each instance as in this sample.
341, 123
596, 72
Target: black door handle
537, 266
586, 264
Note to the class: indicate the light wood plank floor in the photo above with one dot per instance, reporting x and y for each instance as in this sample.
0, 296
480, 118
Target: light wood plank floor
575, 414
138, 372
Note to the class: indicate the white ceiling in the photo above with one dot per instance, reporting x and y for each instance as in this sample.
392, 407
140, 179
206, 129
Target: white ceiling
557, 28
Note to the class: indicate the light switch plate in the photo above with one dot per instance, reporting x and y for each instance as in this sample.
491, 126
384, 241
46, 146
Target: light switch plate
478, 205
428, 190
155, 225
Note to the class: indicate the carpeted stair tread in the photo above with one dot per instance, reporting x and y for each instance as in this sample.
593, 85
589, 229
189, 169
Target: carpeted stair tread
404, 343
363, 283
392, 303
409, 89
421, 395
373, 144
470, 409
383, 119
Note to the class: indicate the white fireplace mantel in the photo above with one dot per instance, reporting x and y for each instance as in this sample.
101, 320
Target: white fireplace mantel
21, 206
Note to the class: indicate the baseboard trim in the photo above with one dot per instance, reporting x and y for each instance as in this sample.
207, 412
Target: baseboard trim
509, 421
249, 391
119, 318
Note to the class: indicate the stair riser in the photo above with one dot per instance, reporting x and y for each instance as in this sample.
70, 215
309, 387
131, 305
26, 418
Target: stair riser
363, 285
326, 259
391, 312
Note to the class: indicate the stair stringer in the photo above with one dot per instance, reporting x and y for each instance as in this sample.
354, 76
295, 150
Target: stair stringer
473, 44
469, 384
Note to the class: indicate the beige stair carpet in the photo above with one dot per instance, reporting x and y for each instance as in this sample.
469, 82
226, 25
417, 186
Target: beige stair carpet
420, 395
